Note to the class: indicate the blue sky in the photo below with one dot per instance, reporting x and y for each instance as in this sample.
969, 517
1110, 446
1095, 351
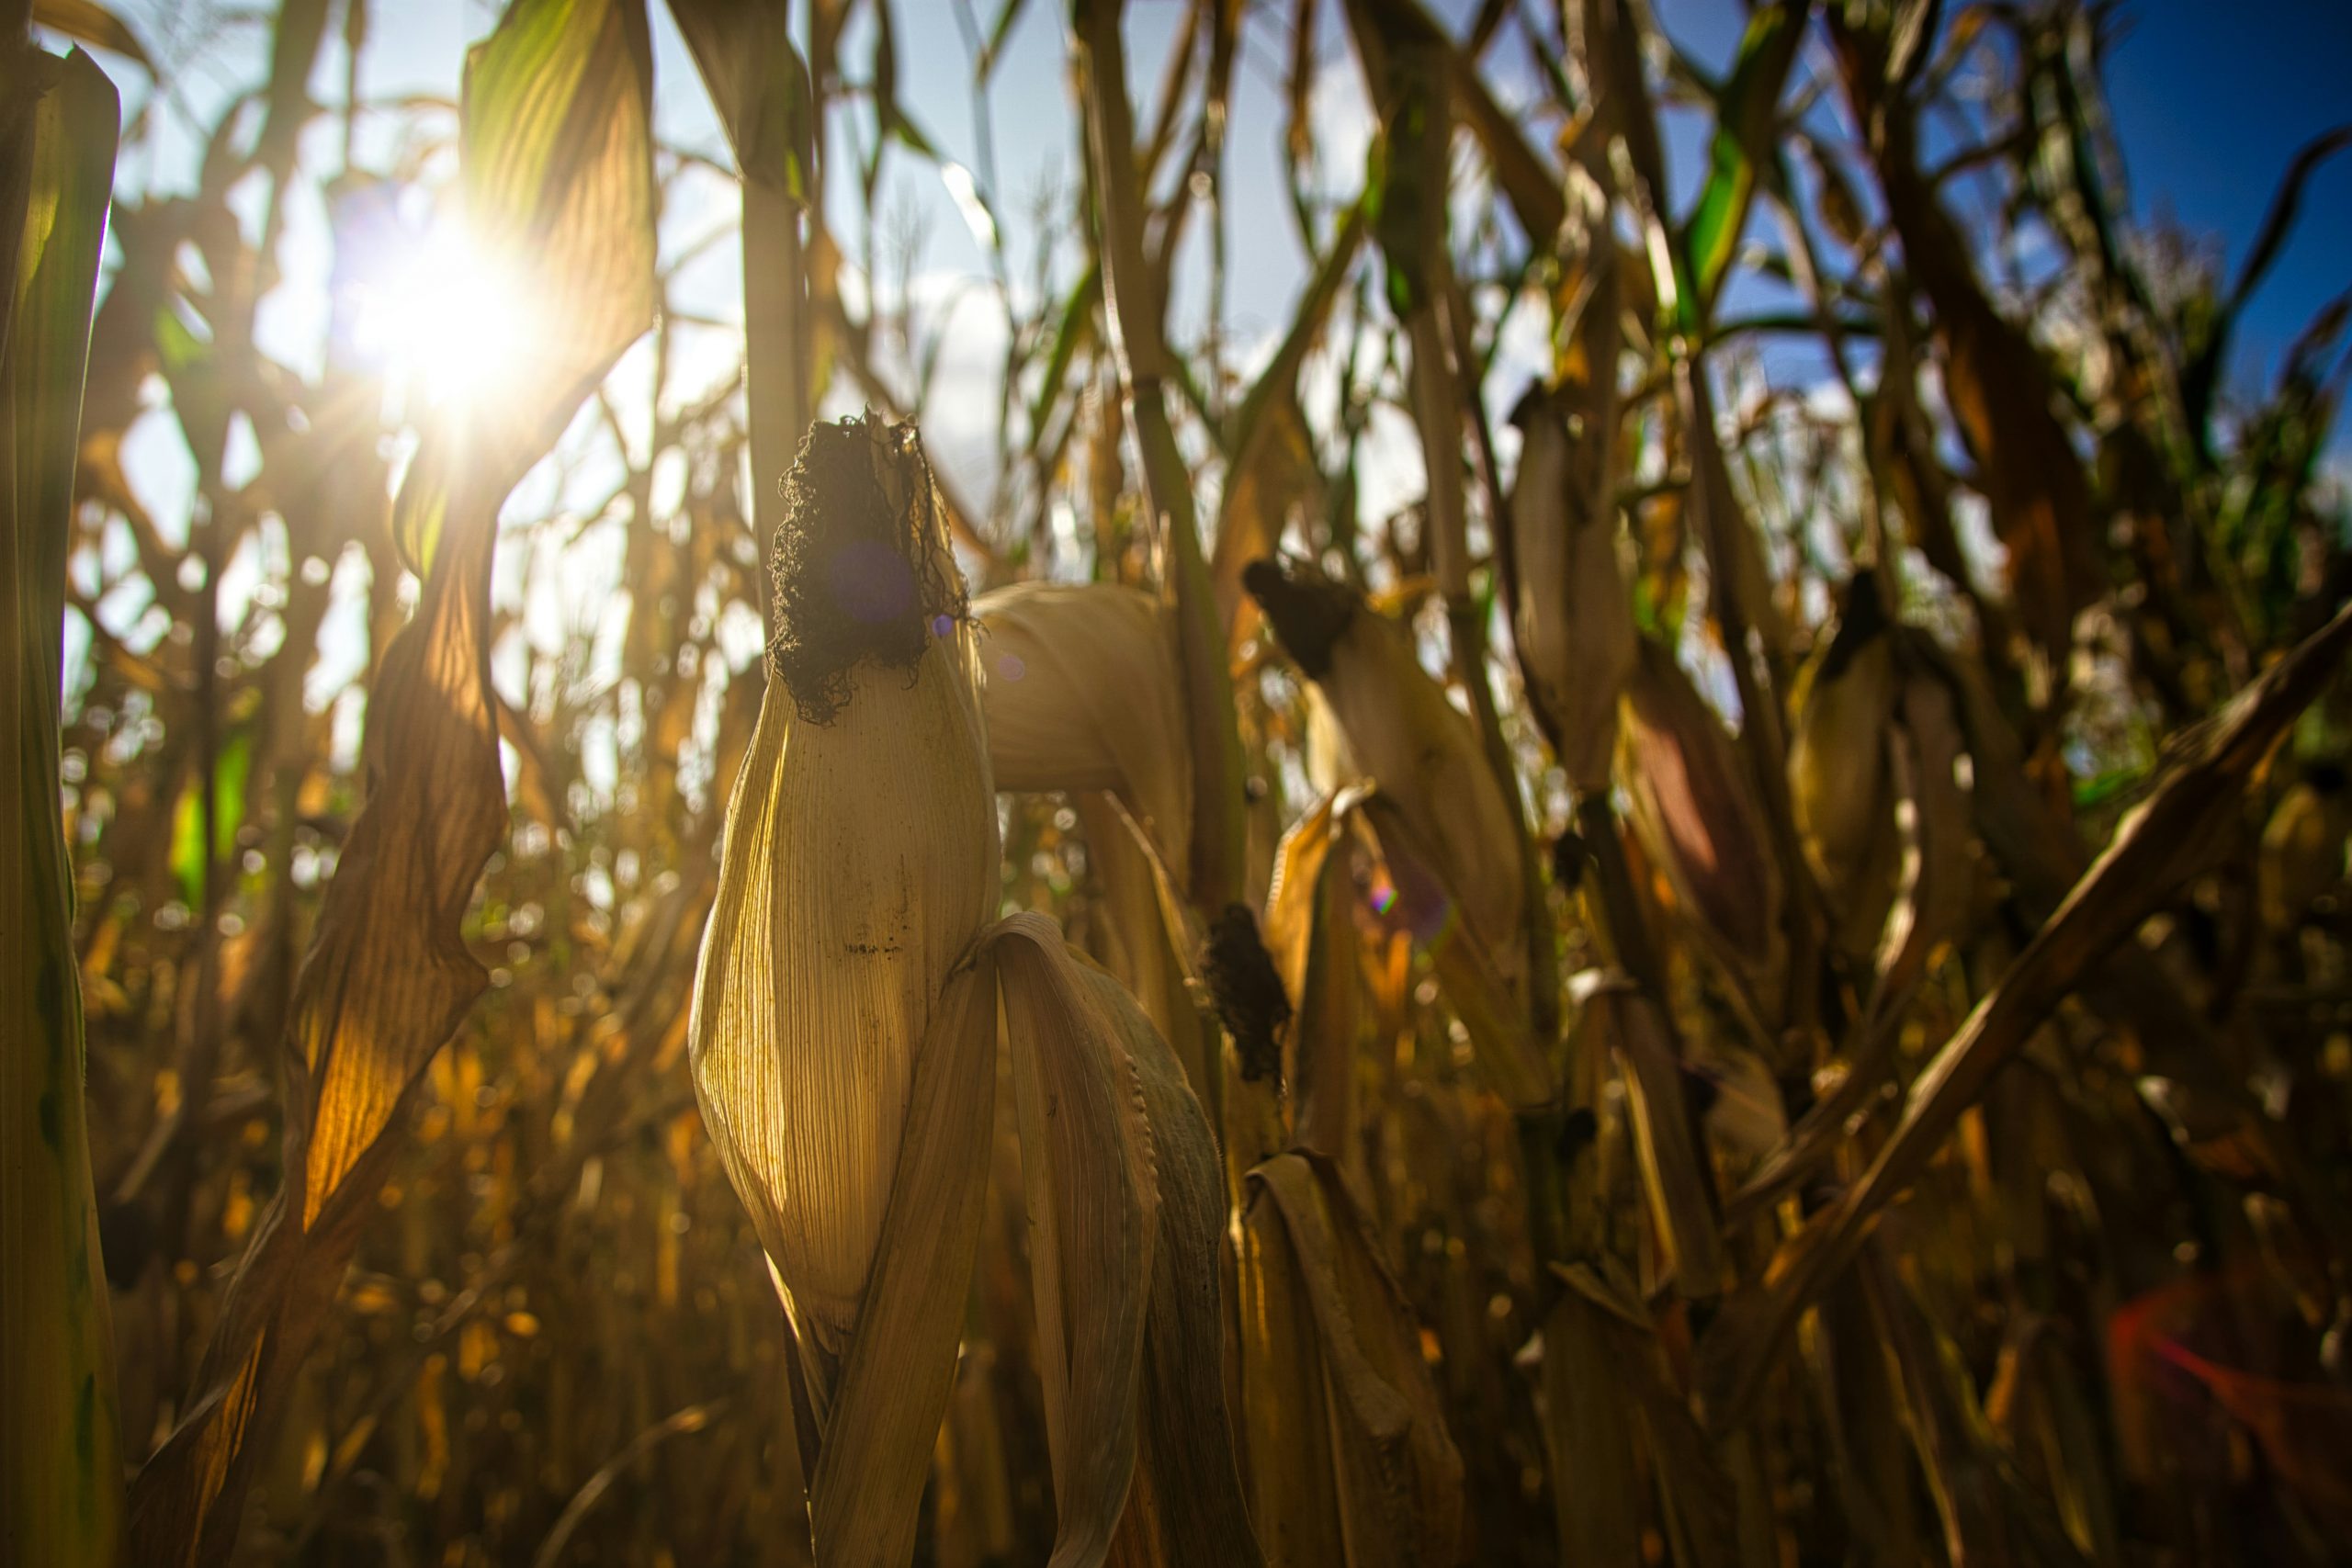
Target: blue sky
2209, 103
2212, 102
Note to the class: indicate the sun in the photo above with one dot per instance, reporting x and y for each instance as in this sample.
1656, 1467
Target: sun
446, 324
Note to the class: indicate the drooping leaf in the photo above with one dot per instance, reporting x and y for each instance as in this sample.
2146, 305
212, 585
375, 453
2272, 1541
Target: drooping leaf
1382, 1475
558, 167
87, 21
1093, 1209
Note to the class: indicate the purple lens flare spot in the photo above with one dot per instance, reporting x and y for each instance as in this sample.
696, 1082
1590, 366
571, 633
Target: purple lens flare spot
871, 582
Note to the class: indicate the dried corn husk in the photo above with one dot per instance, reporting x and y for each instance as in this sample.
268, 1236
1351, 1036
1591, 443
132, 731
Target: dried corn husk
841, 1038
1125, 1211
1617, 1019
1838, 770
1130, 930
1350, 1459
1311, 935
1571, 597
1934, 822
1696, 816
861, 862
1421, 750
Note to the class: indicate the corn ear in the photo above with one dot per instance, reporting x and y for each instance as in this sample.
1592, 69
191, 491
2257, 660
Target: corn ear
1620, 1019
1934, 816
860, 865
60, 1465
1571, 599
1696, 817
865, 1495
1837, 767
1421, 750
1311, 933
1084, 692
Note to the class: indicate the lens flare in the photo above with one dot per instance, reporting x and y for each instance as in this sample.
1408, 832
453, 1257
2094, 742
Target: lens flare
447, 325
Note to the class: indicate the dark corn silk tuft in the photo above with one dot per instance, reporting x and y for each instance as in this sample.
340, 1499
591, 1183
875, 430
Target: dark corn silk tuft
1861, 617
860, 565
1308, 611
1248, 991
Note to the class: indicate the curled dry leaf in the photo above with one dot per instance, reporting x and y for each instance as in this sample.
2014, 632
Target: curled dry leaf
557, 161
1083, 691
1350, 1459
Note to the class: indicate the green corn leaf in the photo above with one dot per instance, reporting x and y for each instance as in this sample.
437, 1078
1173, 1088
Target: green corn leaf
1743, 116
60, 1468
230, 771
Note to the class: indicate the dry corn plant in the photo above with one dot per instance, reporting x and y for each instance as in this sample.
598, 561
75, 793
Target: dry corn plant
1477, 925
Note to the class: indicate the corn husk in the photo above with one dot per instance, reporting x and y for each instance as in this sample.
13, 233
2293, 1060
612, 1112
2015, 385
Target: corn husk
1311, 935
1571, 597
1617, 1019
1128, 929
1082, 691
1839, 783
1349, 1460
842, 1048
1126, 1210
1935, 886
1696, 816
1421, 750
861, 864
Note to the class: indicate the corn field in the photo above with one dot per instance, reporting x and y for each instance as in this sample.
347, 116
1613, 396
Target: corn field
1661, 884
